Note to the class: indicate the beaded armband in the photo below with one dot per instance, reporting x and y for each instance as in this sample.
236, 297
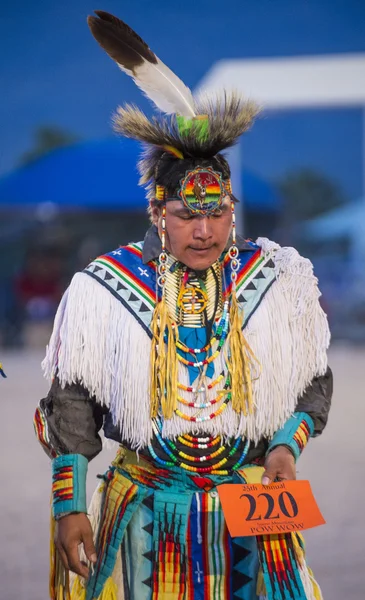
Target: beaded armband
69, 484
295, 434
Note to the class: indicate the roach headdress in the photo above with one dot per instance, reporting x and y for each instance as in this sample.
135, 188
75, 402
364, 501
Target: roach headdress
190, 134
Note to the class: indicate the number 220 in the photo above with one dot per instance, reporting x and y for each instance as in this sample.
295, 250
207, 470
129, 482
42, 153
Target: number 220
285, 509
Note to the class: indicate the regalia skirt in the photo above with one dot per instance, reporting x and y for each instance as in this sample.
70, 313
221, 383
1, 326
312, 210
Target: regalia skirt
160, 534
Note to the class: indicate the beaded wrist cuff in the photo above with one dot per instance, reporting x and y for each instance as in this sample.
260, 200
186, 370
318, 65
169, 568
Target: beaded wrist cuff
69, 484
295, 434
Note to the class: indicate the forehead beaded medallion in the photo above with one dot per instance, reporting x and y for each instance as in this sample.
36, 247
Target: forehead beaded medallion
202, 191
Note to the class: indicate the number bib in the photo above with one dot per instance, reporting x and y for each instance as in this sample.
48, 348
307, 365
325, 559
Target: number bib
256, 509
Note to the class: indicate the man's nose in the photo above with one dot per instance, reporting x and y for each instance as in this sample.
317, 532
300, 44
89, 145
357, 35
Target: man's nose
202, 228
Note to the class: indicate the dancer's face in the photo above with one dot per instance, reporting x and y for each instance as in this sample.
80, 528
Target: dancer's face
195, 240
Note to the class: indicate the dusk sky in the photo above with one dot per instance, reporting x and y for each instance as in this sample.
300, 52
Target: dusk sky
53, 73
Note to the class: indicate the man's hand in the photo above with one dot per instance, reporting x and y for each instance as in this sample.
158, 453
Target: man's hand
279, 464
71, 531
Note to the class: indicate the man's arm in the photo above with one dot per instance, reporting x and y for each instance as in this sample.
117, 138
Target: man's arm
68, 420
316, 401
309, 420
67, 423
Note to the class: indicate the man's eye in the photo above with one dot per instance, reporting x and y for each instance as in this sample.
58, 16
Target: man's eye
217, 213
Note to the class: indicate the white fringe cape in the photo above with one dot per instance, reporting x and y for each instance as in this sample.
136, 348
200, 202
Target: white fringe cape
96, 341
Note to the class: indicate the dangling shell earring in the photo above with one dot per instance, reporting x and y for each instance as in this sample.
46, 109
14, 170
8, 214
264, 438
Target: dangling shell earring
233, 251
162, 259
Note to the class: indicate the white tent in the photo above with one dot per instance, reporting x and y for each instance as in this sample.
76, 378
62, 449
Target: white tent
333, 80
293, 82
347, 222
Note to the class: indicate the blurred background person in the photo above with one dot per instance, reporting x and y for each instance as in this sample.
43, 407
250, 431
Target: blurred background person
39, 285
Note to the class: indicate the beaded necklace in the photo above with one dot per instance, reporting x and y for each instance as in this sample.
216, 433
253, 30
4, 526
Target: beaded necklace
209, 359
219, 397
218, 454
219, 411
221, 336
179, 278
201, 406
175, 456
188, 388
174, 273
222, 330
196, 442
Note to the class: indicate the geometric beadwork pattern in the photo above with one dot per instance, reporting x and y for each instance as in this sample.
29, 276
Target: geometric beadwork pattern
302, 435
41, 431
252, 289
242, 559
121, 500
280, 566
171, 511
125, 275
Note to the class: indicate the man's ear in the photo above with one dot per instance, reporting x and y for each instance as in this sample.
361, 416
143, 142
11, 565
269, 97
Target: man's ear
155, 214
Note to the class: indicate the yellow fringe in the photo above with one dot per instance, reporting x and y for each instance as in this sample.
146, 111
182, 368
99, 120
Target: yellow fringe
316, 589
110, 590
78, 590
298, 549
239, 361
163, 382
260, 585
59, 579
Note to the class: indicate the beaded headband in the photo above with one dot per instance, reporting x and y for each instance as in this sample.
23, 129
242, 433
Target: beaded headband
202, 191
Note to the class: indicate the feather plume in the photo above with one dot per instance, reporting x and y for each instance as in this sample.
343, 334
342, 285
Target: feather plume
134, 57
229, 116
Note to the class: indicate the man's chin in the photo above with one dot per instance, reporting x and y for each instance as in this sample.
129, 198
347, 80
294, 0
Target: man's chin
200, 260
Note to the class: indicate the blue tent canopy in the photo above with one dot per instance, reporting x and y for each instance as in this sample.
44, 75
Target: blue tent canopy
101, 175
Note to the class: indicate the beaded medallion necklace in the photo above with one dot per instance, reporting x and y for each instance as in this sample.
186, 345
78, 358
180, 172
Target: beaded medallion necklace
182, 289
185, 315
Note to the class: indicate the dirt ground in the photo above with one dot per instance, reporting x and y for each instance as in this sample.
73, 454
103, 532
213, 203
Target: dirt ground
333, 463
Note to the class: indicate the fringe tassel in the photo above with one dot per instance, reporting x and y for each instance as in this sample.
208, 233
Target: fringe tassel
163, 386
94, 511
260, 586
59, 580
110, 590
311, 587
89, 343
78, 590
239, 361
317, 593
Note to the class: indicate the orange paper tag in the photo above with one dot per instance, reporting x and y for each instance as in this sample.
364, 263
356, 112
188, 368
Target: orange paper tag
256, 509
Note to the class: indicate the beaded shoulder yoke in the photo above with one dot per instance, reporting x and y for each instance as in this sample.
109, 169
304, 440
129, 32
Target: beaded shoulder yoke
102, 339
134, 283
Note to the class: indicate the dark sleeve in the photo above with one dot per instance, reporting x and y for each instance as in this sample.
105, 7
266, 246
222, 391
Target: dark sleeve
316, 400
68, 420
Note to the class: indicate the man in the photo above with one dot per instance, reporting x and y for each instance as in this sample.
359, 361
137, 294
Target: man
202, 355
